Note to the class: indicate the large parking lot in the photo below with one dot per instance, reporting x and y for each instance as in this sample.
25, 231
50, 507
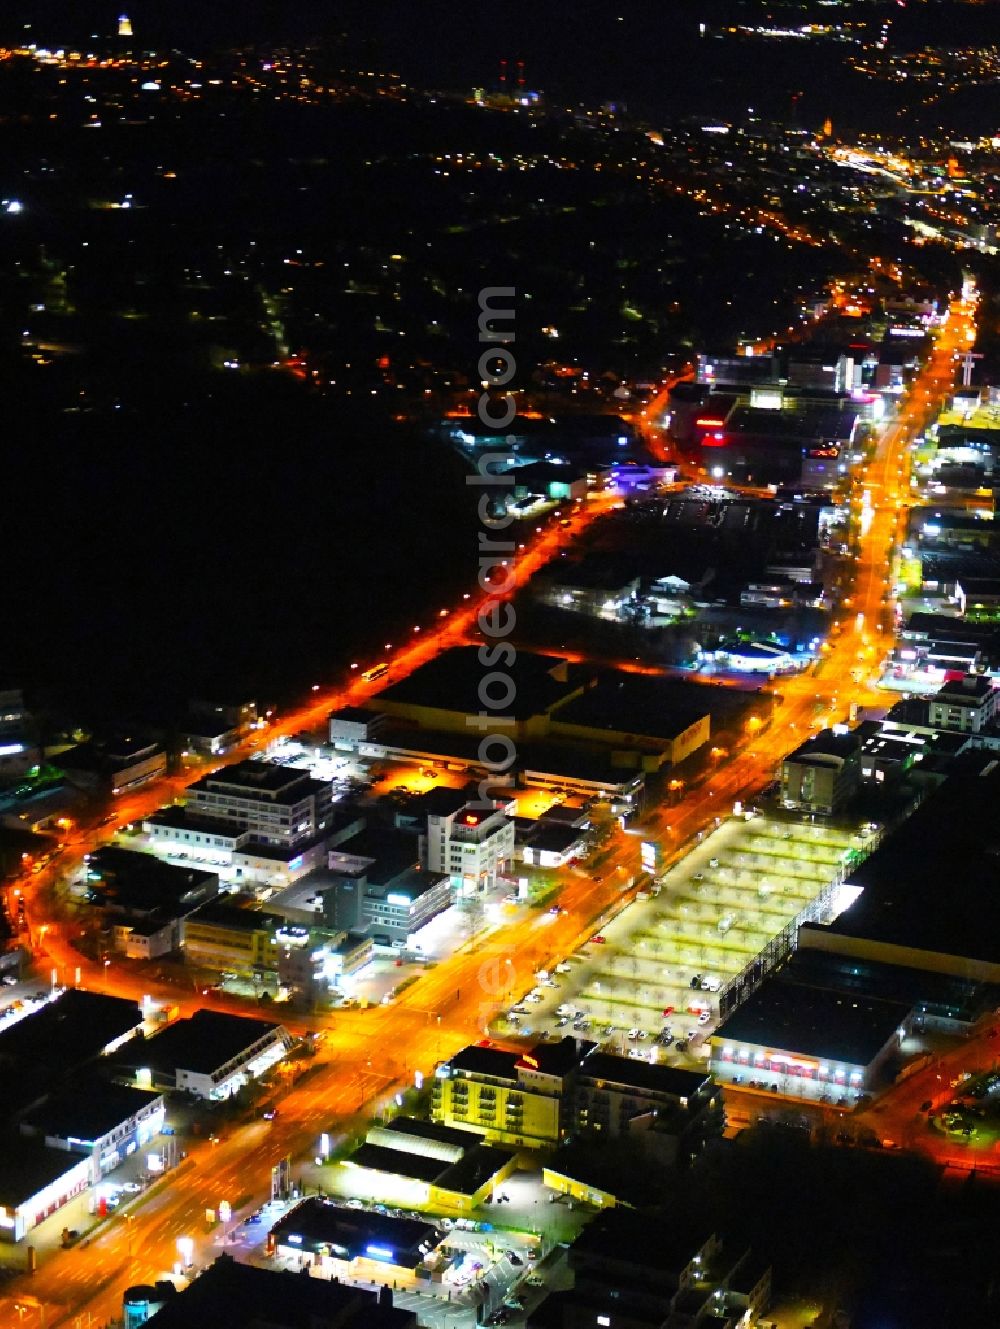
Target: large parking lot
649, 982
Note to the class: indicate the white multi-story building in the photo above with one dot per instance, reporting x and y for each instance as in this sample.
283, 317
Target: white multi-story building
967, 705
473, 845
277, 805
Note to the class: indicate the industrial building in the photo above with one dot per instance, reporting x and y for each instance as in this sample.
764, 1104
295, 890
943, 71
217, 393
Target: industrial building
419, 1163
103, 1121
335, 1241
928, 897
58, 1039
35, 1181
210, 1055
229, 1293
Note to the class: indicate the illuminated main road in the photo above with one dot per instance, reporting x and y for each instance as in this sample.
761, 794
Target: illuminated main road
367, 1053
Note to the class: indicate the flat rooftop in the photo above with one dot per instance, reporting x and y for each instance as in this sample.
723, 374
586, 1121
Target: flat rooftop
822, 1022
415, 1129
643, 1075
180, 818
27, 1168
318, 1221
67, 1032
495, 1062
934, 883
649, 708
962, 998
220, 913
89, 1111
451, 682
397, 1162
230, 1293
264, 779
204, 1041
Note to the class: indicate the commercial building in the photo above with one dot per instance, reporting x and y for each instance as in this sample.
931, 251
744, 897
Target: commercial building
261, 822
928, 897
810, 1039
225, 937
58, 1039
822, 774
508, 1097
375, 884
352, 728
228, 1293
419, 1163
114, 765
210, 1054
551, 845
968, 704
338, 1242
105, 1122
174, 830
753, 657
473, 846
35, 1181
279, 806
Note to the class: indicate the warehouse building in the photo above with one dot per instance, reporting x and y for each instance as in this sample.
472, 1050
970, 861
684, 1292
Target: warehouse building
929, 895
103, 1121
211, 1054
230, 1293
339, 1242
35, 1181
419, 1163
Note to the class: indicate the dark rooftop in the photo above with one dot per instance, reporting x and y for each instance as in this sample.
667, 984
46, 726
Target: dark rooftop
934, 883
131, 880
67, 1032
318, 1221
451, 682
650, 708
642, 1075
827, 743
468, 1173
623, 1237
398, 1162
27, 1168
229, 1295
559, 1058
203, 1042
486, 1061
852, 976
818, 1022
89, 1111
431, 1130
222, 913
391, 852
